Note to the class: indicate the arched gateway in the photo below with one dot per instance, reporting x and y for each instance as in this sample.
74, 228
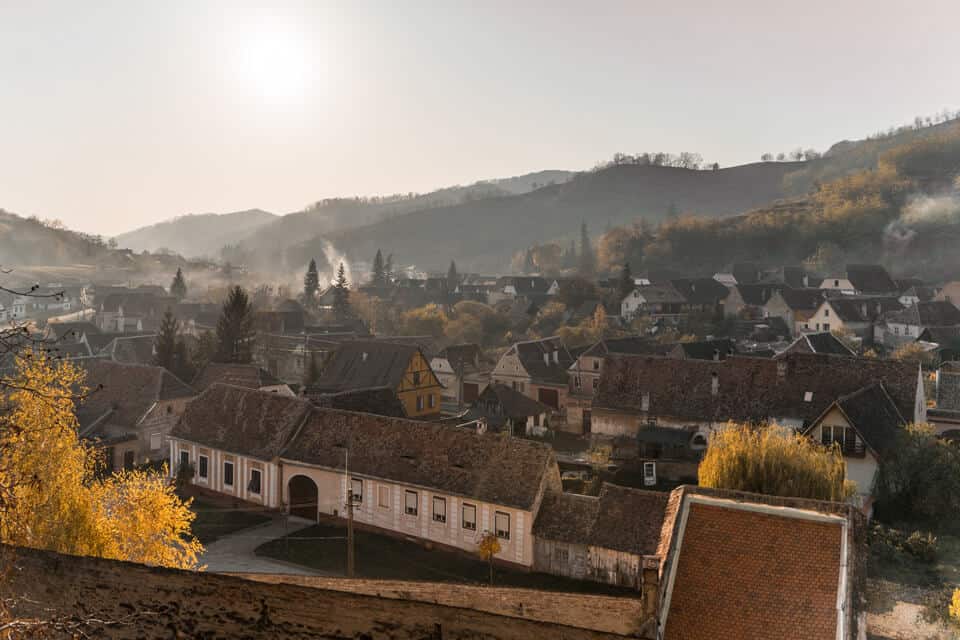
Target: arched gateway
304, 497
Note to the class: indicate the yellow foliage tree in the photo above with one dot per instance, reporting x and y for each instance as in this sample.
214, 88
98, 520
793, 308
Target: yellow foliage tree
954, 610
55, 500
488, 548
776, 461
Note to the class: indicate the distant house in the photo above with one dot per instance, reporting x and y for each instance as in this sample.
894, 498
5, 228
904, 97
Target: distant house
945, 415
130, 349
699, 395
248, 376
510, 287
132, 311
950, 292
367, 364
287, 317
654, 300
538, 369
130, 410
748, 300
862, 279
906, 325
823, 342
702, 295
946, 339
704, 349
795, 307
611, 538
503, 409
462, 371
914, 291
865, 425
382, 401
854, 314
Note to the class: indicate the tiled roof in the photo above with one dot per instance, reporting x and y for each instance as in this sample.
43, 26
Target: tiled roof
242, 421
531, 355
705, 349
248, 376
363, 364
758, 294
872, 412
823, 342
461, 355
128, 390
870, 278
941, 335
948, 390
748, 389
660, 294
746, 573
137, 349
72, 330
525, 284
700, 290
862, 308
802, 299
511, 403
382, 401
491, 468
936, 313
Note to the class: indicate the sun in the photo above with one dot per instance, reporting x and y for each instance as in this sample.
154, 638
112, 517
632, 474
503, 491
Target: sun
276, 63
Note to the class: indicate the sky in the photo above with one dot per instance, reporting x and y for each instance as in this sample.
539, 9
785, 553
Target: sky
114, 115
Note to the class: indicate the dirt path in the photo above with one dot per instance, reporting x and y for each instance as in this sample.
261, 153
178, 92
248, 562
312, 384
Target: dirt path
234, 553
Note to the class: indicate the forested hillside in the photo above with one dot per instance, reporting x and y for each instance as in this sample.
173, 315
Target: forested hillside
483, 235
196, 235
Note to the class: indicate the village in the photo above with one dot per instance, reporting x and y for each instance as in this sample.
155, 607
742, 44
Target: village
574, 456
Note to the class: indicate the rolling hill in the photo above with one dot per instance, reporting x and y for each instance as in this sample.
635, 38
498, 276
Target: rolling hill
196, 235
482, 235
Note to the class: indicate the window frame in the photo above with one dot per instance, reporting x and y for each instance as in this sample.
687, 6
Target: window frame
259, 490
503, 534
203, 466
228, 477
357, 495
463, 517
439, 517
184, 458
159, 437
415, 512
383, 490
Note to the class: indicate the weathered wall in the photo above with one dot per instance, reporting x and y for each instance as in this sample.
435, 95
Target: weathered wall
162, 603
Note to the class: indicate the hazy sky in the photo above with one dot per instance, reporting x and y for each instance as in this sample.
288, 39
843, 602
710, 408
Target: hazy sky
119, 114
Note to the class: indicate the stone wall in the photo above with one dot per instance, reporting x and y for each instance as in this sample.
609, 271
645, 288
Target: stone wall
110, 599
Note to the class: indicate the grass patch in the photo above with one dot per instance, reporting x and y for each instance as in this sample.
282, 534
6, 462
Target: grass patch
323, 547
216, 519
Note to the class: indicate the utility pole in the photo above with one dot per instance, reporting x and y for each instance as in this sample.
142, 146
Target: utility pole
346, 472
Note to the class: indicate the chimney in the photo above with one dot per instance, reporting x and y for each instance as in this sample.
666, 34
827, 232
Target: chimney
714, 383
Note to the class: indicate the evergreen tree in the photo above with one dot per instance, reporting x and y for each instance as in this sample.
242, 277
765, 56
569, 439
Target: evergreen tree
204, 351
453, 278
311, 282
165, 344
183, 366
570, 256
341, 296
626, 280
178, 288
587, 265
379, 276
388, 269
235, 331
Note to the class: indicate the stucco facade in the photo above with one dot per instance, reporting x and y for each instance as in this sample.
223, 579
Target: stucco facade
227, 473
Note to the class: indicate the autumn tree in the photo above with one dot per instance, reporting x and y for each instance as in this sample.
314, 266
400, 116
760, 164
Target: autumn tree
428, 320
488, 549
311, 283
235, 332
178, 288
775, 461
53, 497
912, 352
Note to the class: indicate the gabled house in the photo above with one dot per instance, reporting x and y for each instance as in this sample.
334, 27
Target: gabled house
231, 437
534, 288
130, 349
702, 295
823, 342
946, 339
130, 410
906, 325
864, 424
862, 279
748, 300
795, 307
700, 396
854, 314
502, 409
538, 369
655, 300
247, 376
367, 364
463, 372
132, 311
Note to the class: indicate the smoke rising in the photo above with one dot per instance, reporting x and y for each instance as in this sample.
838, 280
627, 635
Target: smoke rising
922, 211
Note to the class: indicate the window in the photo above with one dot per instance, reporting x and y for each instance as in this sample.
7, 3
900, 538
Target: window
596, 383
502, 525
577, 383
431, 401
356, 487
155, 441
826, 326
383, 497
254, 485
439, 509
184, 459
536, 420
808, 396
896, 330
416, 378
826, 313
596, 365
410, 503
419, 403
846, 437
228, 474
202, 466
469, 518
649, 474
561, 555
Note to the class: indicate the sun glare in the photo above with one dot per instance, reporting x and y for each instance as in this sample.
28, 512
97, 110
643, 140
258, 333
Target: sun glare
276, 63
